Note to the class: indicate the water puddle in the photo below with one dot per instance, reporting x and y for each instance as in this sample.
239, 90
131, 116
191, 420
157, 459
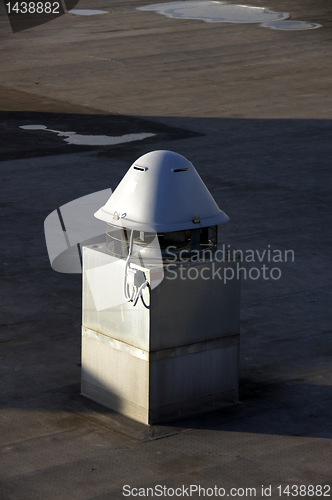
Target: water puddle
86, 12
216, 12
221, 12
90, 140
291, 25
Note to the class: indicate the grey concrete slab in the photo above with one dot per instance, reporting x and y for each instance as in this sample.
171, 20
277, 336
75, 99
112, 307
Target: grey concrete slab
145, 63
251, 108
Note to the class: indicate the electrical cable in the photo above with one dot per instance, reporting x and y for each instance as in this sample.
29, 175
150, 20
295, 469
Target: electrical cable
128, 297
136, 291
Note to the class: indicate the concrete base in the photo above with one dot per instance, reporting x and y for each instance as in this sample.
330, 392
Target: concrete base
161, 385
175, 353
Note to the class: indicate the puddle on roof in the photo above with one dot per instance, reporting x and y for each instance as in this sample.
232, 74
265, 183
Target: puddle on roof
91, 140
291, 25
216, 12
221, 12
86, 12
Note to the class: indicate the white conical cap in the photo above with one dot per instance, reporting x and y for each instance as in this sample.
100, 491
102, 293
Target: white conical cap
161, 192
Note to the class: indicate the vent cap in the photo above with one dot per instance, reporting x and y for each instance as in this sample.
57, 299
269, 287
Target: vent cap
162, 192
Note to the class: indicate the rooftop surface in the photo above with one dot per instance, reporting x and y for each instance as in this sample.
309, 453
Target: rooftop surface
251, 107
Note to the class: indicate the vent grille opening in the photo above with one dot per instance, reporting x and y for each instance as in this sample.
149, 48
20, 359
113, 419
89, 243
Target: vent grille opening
180, 170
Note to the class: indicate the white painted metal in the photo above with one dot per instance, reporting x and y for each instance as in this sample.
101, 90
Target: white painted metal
162, 192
